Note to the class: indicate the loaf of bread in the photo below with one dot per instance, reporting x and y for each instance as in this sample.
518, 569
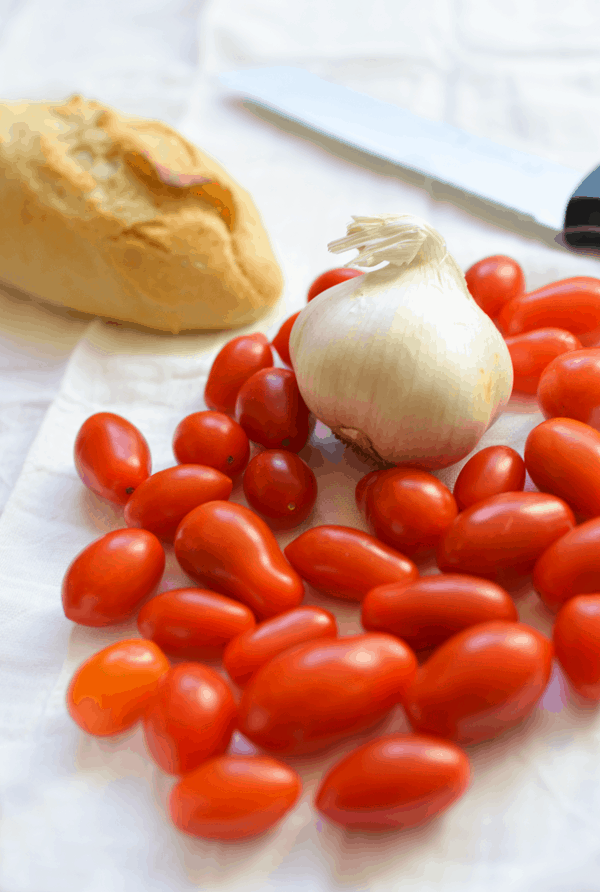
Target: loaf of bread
122, 217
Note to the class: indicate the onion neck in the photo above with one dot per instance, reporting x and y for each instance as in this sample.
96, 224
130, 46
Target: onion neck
401, 240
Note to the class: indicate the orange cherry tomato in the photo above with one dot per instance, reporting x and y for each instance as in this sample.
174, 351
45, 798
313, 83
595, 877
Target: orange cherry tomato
281, 487
570, 566
190, 718
570, 387
571, 304
494, 281
576, 637
234, 797
230, 549
562, 457
213, 439
281, 341
111, 456
480, 682
395, 782
489, 472
330, 278
109, 692
237, 361
427, 612
503, 536
193, 623
271, 410
245, 654
315, 694
345, 562
108, 579
533, 350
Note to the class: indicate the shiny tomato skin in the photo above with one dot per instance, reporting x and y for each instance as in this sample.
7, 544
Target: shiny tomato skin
281, 341
330, 278
504, 535
108, 579
489, 472
531, 352
190, 718
234, 797
281, 487
230, 549
272, 412
111, 456
237, 361
394, 782
571, 304
427, 612
315, 694
362, 489
213, 439
246, 653
109, 692
480, 682
494, 281
160, 503
570, 566
576, 637
562, 457
346, 563
193, 623
570, 387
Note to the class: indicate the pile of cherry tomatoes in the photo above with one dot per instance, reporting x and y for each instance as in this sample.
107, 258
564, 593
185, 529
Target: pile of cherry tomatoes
448, 647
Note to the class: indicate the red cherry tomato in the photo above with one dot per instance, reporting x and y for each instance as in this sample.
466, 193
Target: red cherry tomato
503, 536
570, 387
562, 457
232, 550
280, 486
362, 488
480, 682
494, 281
271, 410
427, 612
489, 472
576, 638
212, 439
193, 623
111, 690
395, 782
281, 341
234, 797
571, 304
315, 694
255, 647
190, 718
570, 566
533, 350
237, 361
346, 563
108, 579
111, 456
330, 278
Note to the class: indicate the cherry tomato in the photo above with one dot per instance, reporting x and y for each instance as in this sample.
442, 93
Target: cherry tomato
271, 410
232, 550
430, 610
345, 562
562, 457
395, 782
330, 278
212, 439
190, 718
480, 682
108, 579
111, 456
504, 535
571, 304
489, 472
362, 488
315, 694
576, 638
281, 341
570, 566
237, 361
280, 486
494, 281
193, 622
109, 692
533, 350
234, 797
255, 647
570, 387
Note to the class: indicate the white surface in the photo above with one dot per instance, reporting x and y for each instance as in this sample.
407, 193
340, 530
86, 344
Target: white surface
89, 816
